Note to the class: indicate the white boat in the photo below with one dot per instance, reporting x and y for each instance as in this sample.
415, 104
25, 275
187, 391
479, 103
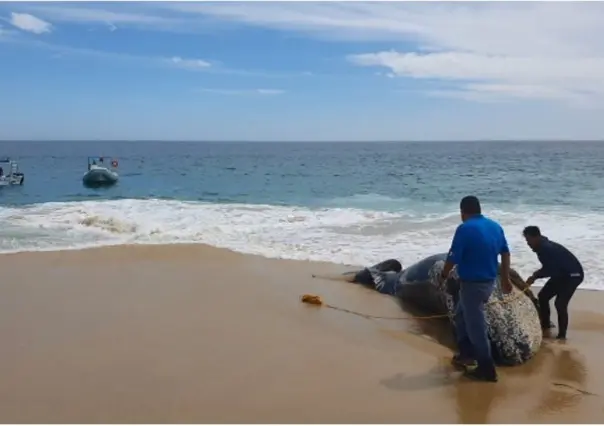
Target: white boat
100, 174
9, 173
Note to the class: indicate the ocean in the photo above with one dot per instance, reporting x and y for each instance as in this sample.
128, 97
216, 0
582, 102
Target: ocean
350, 203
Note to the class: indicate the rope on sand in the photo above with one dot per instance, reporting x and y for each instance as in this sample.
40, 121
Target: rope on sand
312, 299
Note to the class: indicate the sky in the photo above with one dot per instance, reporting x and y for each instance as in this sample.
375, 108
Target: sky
301, 71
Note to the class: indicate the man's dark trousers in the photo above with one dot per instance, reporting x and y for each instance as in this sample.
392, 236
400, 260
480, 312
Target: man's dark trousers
470, 323
563, 288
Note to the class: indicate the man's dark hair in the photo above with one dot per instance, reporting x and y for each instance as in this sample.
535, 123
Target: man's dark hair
470, 205
531, 231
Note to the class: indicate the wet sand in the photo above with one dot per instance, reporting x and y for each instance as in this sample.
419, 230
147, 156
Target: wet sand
177, 334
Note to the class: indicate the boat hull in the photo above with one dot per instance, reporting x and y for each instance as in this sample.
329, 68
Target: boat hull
13, 179
100, 177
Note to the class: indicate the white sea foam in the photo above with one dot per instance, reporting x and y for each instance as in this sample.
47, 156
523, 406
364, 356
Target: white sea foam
343, 235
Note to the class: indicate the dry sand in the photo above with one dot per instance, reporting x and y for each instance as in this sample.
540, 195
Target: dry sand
196, 334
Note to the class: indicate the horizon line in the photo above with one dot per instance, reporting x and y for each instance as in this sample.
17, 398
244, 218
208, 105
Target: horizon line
304, 141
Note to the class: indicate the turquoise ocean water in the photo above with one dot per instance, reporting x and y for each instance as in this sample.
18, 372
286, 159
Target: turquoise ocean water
354, 203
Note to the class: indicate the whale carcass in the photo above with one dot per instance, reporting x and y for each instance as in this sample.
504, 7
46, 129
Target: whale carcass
513, 320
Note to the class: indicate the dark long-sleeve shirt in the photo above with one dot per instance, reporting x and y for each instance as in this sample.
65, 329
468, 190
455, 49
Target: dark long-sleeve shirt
557, 261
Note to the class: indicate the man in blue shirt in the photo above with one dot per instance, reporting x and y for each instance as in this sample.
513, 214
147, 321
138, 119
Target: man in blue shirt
565, 274
475, 249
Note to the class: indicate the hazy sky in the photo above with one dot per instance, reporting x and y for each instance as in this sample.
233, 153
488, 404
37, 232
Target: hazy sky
301, 70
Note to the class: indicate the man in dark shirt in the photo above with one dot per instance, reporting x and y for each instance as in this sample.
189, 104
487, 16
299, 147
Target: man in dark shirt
564, 271
475, 249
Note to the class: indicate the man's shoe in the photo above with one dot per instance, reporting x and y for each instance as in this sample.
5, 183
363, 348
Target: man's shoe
463, 363
480, 375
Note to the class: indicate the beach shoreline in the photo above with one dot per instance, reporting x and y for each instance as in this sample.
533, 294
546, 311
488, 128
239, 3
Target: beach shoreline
193, 333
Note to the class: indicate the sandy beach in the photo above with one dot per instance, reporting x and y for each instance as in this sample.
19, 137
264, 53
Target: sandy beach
188, 333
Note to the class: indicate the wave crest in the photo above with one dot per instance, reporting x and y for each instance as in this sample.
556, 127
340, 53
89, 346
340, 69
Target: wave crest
349, 235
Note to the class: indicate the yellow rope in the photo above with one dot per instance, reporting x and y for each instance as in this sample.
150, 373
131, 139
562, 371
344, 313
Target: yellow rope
315, 300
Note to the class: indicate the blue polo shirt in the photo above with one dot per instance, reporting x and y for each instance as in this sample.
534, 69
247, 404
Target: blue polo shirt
476, 247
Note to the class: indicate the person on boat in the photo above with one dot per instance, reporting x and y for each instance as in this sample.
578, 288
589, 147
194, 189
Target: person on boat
1, 172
